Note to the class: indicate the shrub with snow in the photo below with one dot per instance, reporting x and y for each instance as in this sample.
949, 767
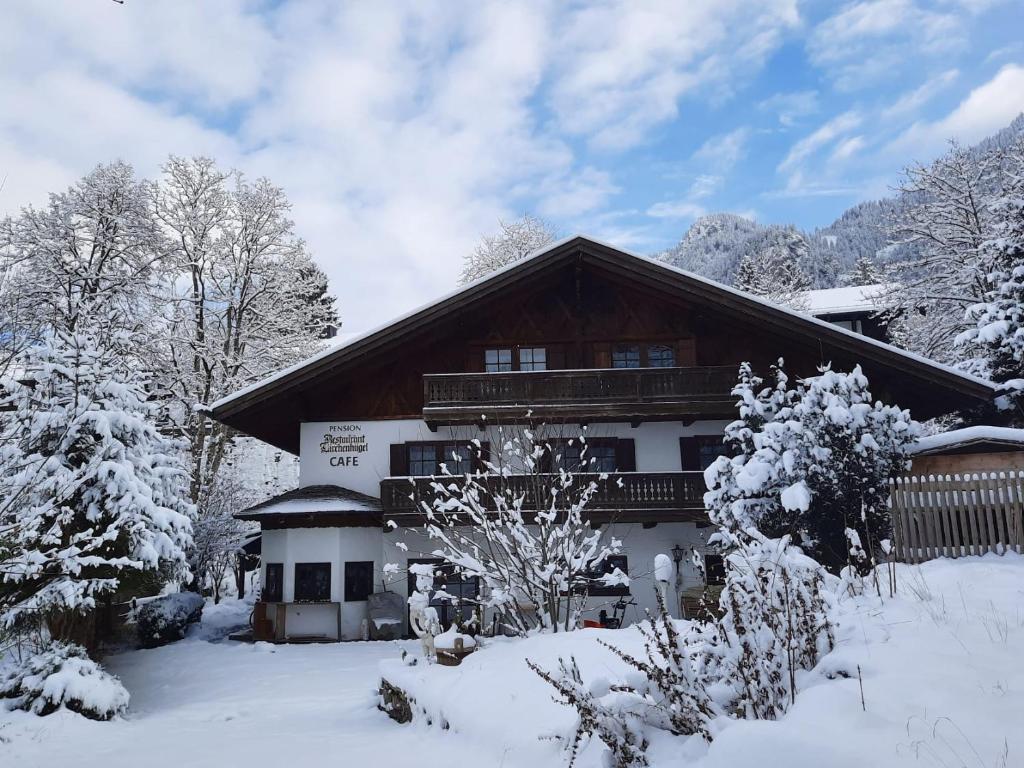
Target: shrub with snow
774, 628
811, 461
165, 619
63, 676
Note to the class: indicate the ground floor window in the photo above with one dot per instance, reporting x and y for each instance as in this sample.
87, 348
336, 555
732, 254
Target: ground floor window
447, 581
358, 580
312, 582
273, 583
606, 566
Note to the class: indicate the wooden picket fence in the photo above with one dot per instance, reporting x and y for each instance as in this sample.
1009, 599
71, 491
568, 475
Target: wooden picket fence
956, 516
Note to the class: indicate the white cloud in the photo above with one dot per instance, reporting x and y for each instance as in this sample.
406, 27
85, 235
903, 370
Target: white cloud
622, 66
722, 152
915, 99
791, 107
820, 138
986, 109
676, 209
866, 41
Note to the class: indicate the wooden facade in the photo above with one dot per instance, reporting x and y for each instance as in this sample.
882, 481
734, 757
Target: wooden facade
578, 301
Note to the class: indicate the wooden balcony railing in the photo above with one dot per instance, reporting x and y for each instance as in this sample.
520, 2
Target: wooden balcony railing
594, 393
617, 495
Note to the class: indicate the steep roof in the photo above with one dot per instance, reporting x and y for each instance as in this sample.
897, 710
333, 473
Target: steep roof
645, 272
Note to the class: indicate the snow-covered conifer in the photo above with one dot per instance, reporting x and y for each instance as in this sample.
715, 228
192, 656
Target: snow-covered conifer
775, 270
811, 462
92, 492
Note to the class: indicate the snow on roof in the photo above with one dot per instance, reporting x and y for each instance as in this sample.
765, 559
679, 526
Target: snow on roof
967, 436
313, 499
851, 298
808, 318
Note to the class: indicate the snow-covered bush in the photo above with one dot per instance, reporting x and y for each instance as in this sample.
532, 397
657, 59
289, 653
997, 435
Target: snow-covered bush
774, 626
63, 675
522, 530
811, 461
165, 619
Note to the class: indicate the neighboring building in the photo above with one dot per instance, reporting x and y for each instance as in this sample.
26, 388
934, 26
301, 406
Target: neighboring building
969, 450
581, 333
855, 307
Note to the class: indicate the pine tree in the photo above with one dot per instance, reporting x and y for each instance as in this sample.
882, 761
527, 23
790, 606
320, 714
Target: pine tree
864, 272
774, 271
92, 492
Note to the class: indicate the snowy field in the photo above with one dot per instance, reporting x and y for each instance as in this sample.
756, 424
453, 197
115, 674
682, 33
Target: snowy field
941, 665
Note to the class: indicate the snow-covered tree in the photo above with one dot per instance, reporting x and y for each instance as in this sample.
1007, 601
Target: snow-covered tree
864, 272
218, 537
92, 494
522, 529
95, 244
812, 462
514, 241
774, 271
242, 297
943, 220
996, 339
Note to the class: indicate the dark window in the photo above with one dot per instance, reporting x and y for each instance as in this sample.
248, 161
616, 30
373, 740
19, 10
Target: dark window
709, 449
606, 566
273, 585
312, 582
714, 567
358, 580
533, 359
601, 457
448, 581
423, 460
626, 356
660, 356
496, 360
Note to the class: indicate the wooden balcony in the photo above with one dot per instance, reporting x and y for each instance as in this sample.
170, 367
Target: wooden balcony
630, 394
622, 496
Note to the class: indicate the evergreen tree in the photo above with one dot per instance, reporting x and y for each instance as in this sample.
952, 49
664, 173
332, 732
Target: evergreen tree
92, 492
864, 272
812, 462
774, 271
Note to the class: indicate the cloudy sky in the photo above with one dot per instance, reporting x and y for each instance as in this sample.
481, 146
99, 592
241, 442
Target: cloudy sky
401, 132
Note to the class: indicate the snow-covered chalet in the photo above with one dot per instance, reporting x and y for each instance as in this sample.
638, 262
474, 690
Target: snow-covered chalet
579, 334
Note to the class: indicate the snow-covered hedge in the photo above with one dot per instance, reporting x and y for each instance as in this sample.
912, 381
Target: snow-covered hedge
165, 619
63, 676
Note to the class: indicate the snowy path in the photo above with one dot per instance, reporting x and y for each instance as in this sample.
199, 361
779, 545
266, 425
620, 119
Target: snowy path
200, 703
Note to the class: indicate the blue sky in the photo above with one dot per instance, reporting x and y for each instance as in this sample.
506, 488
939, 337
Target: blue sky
402, 132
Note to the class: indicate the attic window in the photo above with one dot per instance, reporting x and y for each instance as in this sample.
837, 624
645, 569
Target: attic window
497, 360
626, 356
660, 356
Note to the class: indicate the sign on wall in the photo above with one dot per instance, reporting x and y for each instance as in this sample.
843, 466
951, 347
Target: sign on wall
342, 444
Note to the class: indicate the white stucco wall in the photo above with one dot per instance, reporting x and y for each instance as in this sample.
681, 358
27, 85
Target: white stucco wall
323, 545
361, 456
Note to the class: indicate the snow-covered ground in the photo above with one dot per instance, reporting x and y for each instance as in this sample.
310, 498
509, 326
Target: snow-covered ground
941, 665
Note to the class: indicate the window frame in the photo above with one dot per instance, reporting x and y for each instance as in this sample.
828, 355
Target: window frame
349, 595
609, 564
669, 348
265, 595
533, 363
629, 347
317, 598
442, 453
499, 353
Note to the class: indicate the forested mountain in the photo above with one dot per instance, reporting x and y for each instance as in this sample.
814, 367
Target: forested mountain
716, 244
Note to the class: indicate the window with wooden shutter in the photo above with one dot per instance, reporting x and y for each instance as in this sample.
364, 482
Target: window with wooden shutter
625, 455
399, 460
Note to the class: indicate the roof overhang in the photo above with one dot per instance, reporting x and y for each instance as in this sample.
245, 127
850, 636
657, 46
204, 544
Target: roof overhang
655, 275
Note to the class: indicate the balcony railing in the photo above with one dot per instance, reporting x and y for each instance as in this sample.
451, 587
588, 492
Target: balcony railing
594, 393
617, 494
